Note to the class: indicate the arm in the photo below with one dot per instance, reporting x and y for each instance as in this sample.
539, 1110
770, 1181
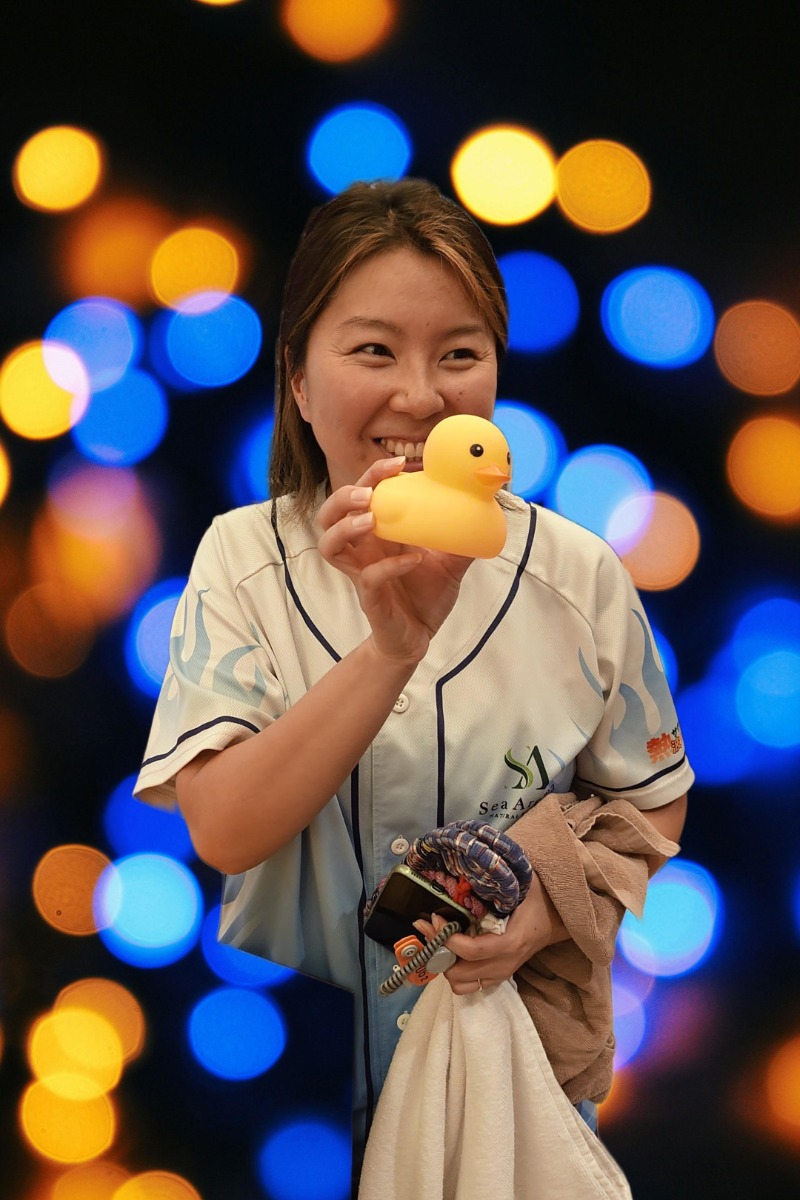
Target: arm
669, 820
244, 802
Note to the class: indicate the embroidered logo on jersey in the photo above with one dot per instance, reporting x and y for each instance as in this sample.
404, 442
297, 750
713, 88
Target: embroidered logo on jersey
665, 745
525, 776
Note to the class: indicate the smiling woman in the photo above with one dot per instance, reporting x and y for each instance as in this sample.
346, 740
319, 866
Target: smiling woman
333, 695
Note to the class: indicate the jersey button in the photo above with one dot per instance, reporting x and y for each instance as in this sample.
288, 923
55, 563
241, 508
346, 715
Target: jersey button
399, 846
401, 703
402, 1020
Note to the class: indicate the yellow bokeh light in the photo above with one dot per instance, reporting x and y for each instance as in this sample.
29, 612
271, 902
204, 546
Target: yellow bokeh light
668, 550
157, 1185
63, 887
49, 630
58, 168
763, 467
112, 1001
504, 174
44, 390
93, 1181
75, 1043
106, 250
757, 347
602, 186
783, 1082
193, 260
67, 1131
5, 473
337, 32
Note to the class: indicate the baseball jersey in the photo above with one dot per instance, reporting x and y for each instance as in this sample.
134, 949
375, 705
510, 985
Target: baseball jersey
545, 676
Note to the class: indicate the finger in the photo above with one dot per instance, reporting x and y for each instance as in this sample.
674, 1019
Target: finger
357, 496
349, 531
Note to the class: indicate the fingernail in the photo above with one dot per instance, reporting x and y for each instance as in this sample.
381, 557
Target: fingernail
360, 495
419, 925
401, 458
363, 520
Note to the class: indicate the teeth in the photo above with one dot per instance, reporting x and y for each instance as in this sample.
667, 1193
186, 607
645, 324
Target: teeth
411, 450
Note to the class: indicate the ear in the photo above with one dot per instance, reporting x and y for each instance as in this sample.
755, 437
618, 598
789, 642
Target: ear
297, 382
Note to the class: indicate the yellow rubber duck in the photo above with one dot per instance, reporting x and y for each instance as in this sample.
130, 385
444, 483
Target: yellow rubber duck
450, 504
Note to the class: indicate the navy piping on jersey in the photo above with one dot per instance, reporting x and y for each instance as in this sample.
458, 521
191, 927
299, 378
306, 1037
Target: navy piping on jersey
354, 816
440, 731
292, 592
632, 787
199, 729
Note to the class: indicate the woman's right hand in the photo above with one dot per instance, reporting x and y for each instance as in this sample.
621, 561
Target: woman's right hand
405, 592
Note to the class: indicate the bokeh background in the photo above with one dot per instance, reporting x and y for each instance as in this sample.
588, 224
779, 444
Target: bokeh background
635, 169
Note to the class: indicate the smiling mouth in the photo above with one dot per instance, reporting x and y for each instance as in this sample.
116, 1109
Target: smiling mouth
396, 446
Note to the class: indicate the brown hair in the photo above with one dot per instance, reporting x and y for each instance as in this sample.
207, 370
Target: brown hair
366, 219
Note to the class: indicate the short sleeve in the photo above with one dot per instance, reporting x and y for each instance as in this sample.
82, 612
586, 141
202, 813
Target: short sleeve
637, 751
221, 685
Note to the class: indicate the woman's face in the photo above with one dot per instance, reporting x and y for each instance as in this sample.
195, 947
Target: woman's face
399, 348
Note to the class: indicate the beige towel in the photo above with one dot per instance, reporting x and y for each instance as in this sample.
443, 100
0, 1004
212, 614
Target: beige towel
471, 1110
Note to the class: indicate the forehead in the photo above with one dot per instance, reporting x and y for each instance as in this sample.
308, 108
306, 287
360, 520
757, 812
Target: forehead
402, 284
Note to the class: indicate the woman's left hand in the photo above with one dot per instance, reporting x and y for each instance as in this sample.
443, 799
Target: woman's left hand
489, 958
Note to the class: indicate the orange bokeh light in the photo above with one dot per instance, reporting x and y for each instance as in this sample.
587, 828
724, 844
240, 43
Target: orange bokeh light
112, 1001
58, 168
193, 260
763, 466
67, 1131
757, 347
783, 1082
336, 32
602, 186
669, 547
92, 1181
5, 473
49, 630
109, 566
106, 250
63, 887
157, 1185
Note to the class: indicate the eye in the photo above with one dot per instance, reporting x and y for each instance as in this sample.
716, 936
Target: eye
461, 352
508, 458
476, 450
376, 349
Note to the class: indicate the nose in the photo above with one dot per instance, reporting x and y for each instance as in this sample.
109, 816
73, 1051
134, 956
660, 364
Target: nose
416, 393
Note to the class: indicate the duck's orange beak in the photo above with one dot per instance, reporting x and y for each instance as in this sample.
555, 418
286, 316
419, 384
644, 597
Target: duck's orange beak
492, 476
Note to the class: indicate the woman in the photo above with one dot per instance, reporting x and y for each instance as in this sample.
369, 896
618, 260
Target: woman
332, 696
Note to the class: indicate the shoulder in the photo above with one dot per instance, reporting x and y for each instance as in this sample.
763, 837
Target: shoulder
566, 558
245, 540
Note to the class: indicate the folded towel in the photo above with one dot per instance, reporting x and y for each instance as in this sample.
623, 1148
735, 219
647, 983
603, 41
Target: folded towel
471, 1110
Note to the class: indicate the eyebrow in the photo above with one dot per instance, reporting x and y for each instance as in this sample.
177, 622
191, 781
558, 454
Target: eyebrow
390, 327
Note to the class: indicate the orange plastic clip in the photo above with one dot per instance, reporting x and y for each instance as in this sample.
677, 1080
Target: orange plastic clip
405, 949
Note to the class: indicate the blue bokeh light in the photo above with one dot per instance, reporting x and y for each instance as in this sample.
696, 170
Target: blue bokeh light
124, 422
236, 1033
235, 966
630, 1025
132, 826
358, 142
543, 303
594, 482
106, 334
148, 909
212, 347
719, 749
536, 446
681, 923
247, 477
307, 1160
768, 699
659, 316
148, 633
768, 625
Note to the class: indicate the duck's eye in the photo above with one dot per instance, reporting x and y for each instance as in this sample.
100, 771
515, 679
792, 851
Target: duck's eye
476, 450
508, 458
